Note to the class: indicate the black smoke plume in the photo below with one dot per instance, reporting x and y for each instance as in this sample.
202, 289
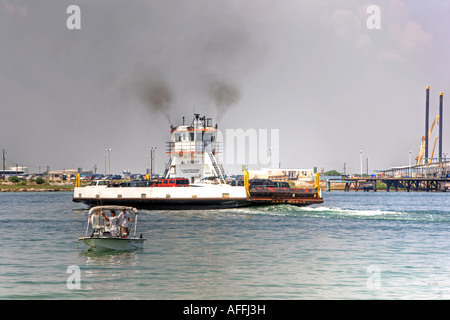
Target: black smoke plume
155, 93
224, 93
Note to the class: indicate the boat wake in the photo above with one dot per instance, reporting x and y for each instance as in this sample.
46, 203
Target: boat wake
376, 212
325, 212
319, 212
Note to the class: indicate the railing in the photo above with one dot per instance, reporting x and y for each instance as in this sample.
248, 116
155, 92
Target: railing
434, 169
193, 147
167, 170
285, 177
218, 168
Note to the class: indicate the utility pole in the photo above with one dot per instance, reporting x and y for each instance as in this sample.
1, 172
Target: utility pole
109, 160
361, 162
367, 166
270, 155
409, 169
152, 161
4, 167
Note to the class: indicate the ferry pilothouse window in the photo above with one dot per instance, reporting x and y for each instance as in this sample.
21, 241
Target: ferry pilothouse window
198, 141
208, 136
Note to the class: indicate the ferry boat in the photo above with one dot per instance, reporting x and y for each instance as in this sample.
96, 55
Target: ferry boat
194, 178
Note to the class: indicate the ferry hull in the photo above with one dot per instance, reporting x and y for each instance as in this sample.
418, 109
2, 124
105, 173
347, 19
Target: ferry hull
197, 204
168, 204
169, 198
294, 202
189, 198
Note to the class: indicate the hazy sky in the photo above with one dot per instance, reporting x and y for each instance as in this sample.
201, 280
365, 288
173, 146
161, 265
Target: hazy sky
312, 69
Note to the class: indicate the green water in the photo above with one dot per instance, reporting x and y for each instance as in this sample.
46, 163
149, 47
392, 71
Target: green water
353, 246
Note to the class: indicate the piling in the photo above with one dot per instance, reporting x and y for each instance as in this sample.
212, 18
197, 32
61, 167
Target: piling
427, 112
441, 122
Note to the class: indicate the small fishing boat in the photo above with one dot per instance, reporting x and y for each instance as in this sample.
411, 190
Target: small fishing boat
107, 234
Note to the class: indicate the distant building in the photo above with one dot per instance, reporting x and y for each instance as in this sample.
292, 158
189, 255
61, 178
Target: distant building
65, 174
283, 174
19, 168
13, 171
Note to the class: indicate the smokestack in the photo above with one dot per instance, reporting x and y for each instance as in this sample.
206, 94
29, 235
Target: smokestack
441, 122
427, 111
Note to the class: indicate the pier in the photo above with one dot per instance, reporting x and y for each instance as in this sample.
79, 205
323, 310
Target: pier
434, 176
428, 174
407, 184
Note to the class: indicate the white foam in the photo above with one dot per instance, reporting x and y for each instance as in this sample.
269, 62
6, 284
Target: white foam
357, 212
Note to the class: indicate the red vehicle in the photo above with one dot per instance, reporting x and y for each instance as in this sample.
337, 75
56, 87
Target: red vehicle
175, 182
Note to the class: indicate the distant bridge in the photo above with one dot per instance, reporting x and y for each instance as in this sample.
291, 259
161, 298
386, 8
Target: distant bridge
408, 184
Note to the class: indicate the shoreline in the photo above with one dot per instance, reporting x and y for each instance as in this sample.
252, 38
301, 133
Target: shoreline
57, 187
36, 190
46, 187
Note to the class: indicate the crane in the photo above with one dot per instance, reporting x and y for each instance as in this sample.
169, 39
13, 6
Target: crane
422, 149
434, 146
